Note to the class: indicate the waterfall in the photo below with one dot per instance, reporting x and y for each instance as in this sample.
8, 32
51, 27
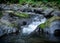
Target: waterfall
33, 25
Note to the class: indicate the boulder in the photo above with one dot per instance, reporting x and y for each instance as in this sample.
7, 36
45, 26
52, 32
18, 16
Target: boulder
53, 26
48, 22
47, 12
4, 29
38, 10
7, 27
56, 13
1, 32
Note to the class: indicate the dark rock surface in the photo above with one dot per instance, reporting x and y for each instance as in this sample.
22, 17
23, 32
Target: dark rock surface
56, 13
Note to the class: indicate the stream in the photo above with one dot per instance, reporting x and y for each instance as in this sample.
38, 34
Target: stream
29, 33
33, 25
26, 33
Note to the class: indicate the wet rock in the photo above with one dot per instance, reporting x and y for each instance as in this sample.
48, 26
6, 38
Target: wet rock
8, 30
47, 12
15, 6
38, 10
10, 6
52, 32
23, 21
48, 22
56, 13
25, 8
52, 27
1, 32
3, 5
4, 29
7, 7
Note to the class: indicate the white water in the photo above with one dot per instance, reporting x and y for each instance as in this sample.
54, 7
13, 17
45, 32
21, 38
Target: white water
32, 26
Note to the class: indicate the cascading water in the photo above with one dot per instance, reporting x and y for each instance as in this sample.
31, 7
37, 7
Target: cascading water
33, 25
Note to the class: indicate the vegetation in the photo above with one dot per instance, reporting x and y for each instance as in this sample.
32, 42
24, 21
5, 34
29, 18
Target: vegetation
47, 23
28, 1
50, 3
22, 15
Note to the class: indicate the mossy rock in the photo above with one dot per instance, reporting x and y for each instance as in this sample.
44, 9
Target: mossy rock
22, 15
47, 23
13, 25
9, 24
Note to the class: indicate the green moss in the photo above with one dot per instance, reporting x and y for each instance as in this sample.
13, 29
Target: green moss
47, 23
22, 15
42, 25
13, 25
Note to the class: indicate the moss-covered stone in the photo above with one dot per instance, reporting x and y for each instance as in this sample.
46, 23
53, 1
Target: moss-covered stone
47, 23
9, 24
22, 15
13, 25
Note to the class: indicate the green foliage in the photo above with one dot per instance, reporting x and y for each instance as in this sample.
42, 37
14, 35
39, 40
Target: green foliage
42, 26
25, 1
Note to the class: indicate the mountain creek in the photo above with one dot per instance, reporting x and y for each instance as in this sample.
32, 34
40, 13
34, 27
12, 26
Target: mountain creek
26, 24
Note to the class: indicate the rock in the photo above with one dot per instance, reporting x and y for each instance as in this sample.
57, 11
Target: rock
7, 7
1, 32
25, 8
38, 10
56, 13
3, 5
52, 33
48, 12
23, 21
55, 25
48, 22
15, 7
11, 7
4, 29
